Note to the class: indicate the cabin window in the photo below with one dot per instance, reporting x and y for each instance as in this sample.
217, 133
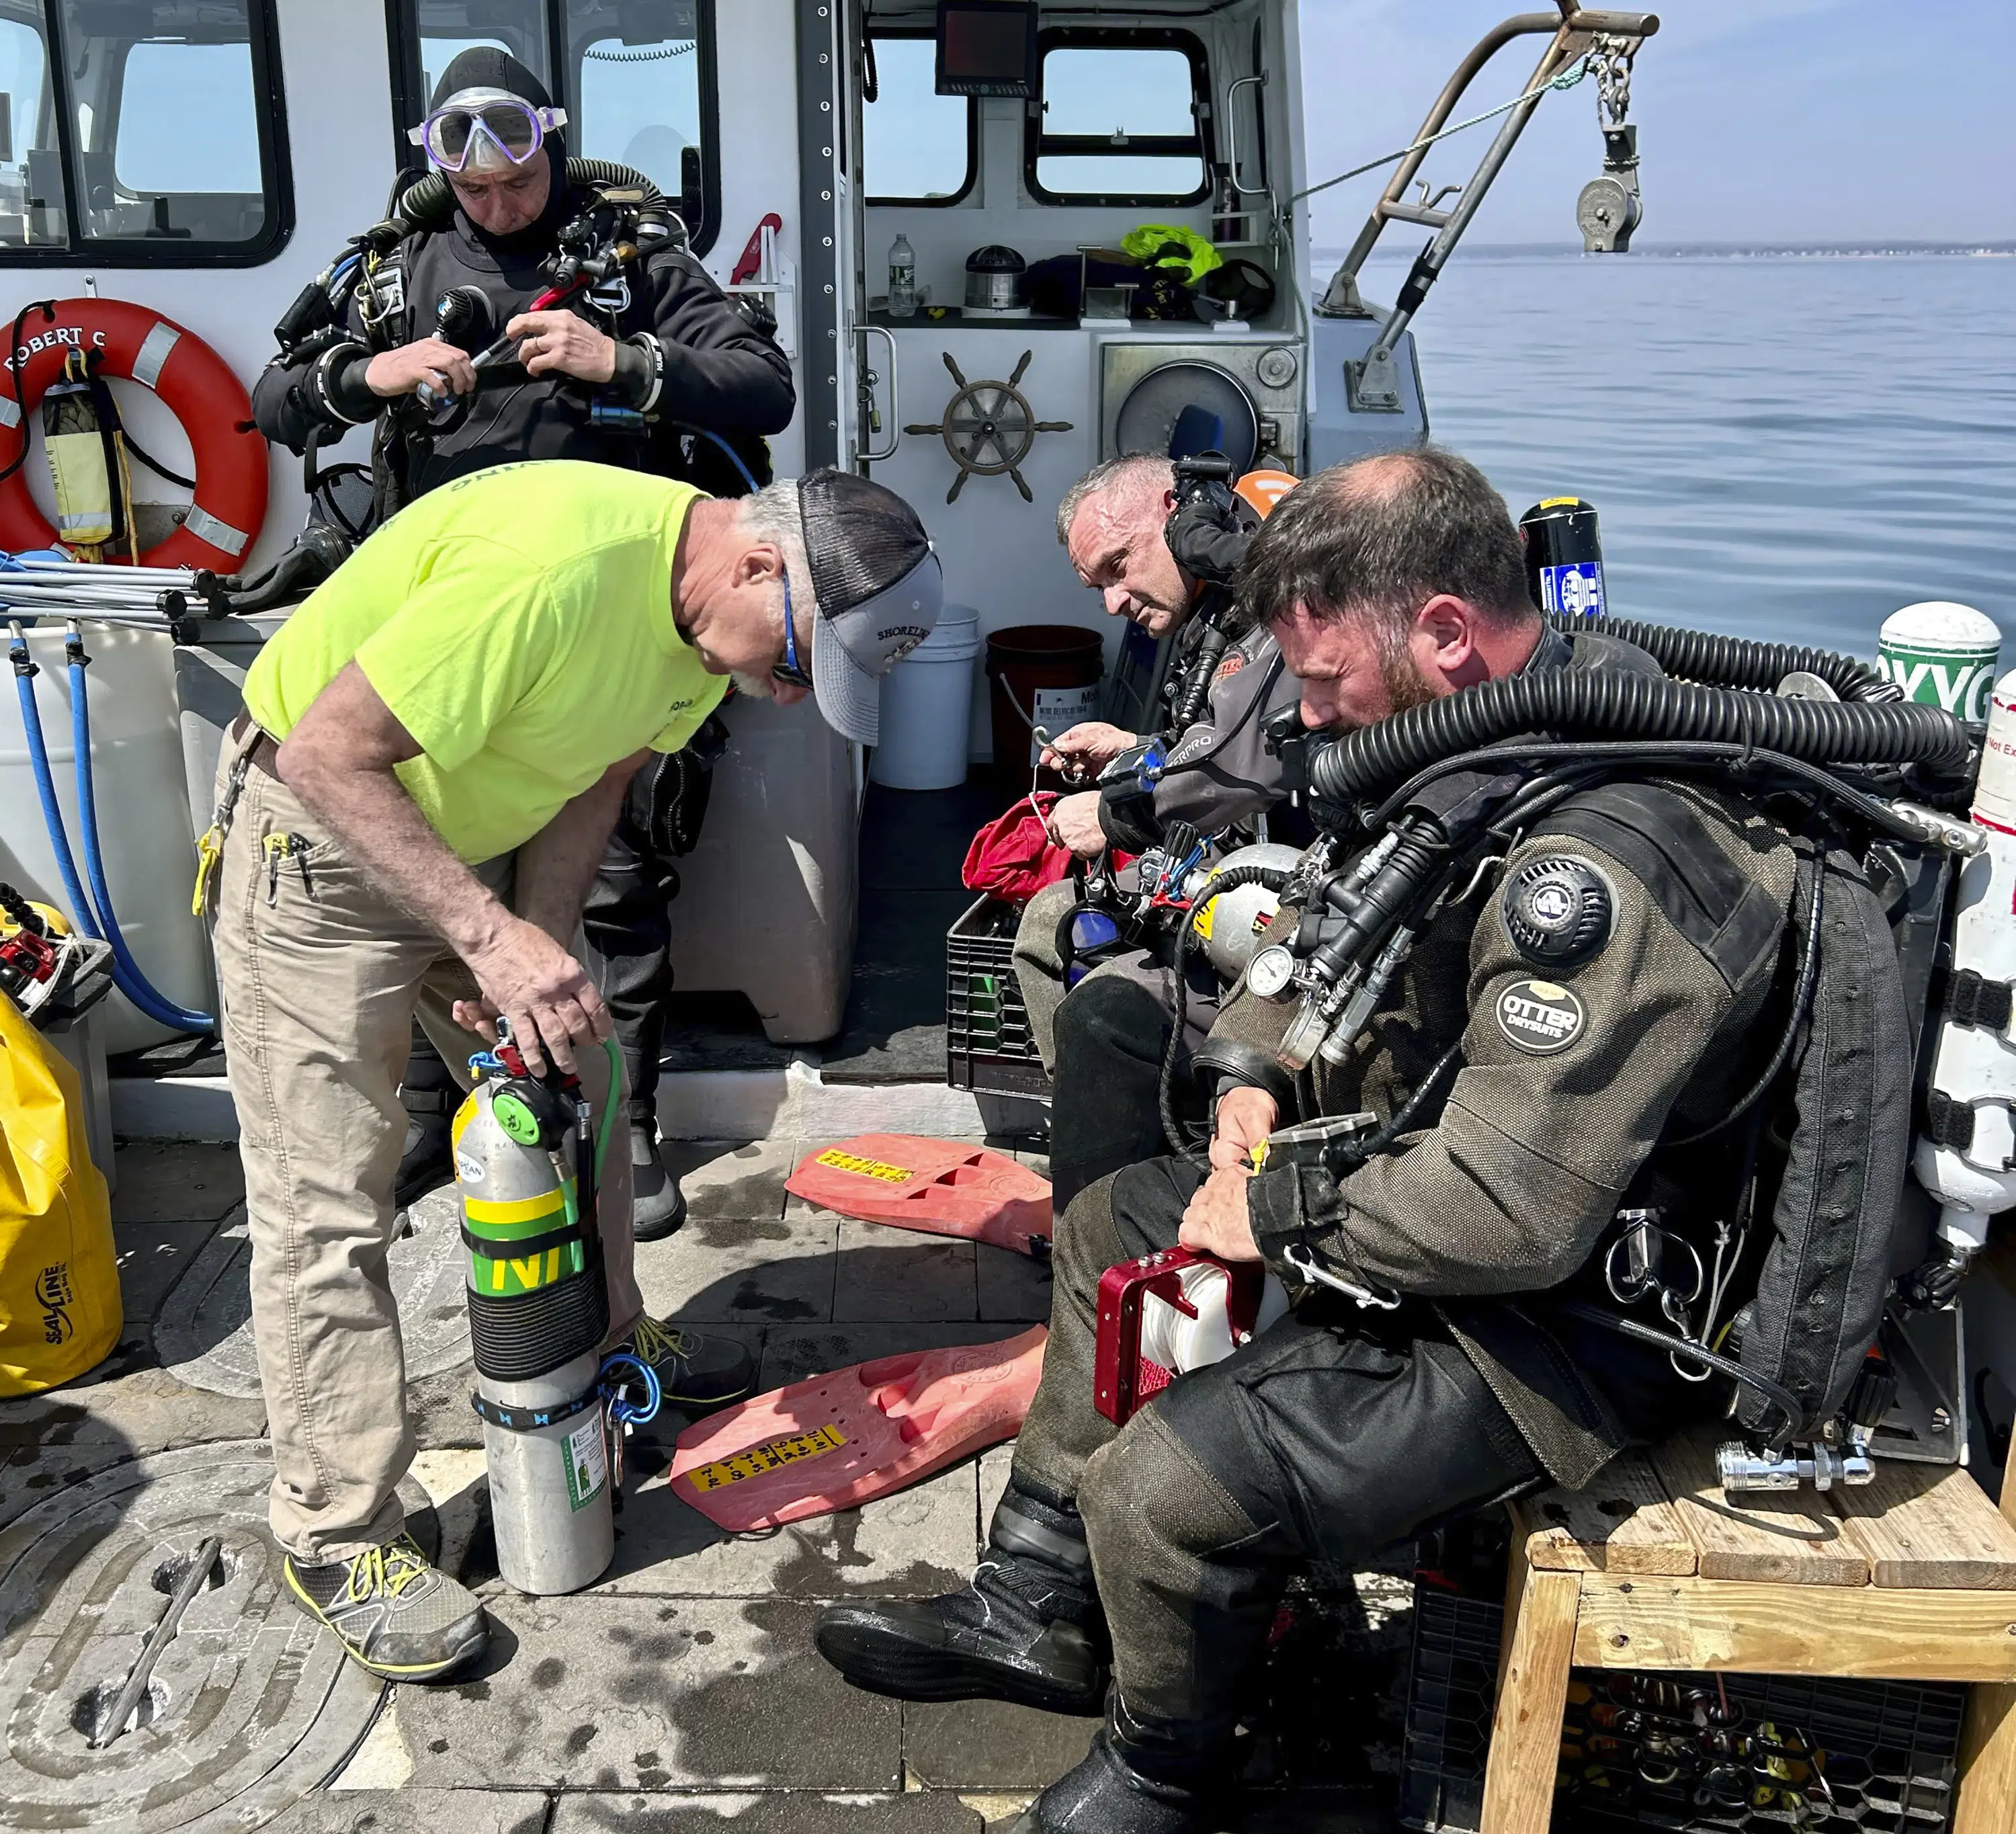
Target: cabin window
1121, 119
155, 139
917, 145
637, 80
32, 212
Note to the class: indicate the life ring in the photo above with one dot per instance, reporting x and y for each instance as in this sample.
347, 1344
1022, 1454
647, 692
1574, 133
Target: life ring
199, 389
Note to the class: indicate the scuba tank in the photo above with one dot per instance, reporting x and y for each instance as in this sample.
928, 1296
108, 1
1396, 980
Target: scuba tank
1563, 557
527, 1156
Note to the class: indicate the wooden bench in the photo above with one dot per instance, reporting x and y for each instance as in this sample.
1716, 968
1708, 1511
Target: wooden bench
1910, 1578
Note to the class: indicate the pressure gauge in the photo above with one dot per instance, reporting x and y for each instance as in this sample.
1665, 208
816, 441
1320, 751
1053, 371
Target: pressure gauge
1271, 973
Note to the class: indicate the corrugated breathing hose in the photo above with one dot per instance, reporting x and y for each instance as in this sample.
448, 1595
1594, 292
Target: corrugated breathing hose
1620, 704
1721, 662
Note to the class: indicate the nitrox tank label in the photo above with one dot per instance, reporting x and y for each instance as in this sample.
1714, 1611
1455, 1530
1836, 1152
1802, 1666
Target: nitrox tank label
1574, 589
1958, 679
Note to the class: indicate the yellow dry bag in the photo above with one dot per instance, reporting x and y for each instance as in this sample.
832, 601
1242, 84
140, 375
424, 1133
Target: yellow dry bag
59, 1310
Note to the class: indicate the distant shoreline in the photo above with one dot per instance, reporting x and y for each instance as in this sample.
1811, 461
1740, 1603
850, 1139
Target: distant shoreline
1874, 249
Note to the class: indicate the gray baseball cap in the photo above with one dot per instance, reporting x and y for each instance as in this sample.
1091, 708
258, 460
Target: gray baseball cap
879, 589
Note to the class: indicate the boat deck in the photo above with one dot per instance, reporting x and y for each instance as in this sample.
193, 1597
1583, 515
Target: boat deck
682, 1691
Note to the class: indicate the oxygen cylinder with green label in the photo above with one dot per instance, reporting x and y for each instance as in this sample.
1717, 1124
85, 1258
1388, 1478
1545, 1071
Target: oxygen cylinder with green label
1943, 654
526, 1169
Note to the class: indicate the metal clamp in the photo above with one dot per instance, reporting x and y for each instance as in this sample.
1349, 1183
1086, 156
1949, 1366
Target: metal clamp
1312, 1271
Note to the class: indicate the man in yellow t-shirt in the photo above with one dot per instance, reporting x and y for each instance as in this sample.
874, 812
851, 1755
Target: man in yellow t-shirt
434, 751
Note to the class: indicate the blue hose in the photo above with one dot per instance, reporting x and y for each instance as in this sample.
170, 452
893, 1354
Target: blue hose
38, 759
127, 973
734, 457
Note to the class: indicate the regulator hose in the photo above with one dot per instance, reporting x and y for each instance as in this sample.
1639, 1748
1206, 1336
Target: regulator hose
1619, 703
429, 204
1734, 662
1274, 878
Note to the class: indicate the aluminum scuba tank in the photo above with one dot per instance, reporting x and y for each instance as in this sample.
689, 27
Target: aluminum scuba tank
1563, 557
1965, 1156
525, 1157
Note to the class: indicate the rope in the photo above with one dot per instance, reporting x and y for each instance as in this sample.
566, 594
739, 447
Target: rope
1566, 79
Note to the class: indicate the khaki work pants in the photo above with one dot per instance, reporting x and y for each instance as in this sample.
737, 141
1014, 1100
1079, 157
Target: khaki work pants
323, 976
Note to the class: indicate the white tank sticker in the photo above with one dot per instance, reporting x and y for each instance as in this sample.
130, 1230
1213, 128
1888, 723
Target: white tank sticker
587, 1461
154, 351
468, 1169
1057, 710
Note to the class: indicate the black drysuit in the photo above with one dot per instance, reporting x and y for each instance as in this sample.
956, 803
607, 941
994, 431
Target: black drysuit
1339, 1431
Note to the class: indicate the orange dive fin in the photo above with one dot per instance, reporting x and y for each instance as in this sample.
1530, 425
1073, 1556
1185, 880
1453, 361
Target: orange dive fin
940, 1186
831, 1441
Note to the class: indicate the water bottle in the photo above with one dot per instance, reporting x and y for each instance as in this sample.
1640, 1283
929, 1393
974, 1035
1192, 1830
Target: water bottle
902, 278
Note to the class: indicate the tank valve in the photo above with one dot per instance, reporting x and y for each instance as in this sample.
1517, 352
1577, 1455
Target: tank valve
1824, 1466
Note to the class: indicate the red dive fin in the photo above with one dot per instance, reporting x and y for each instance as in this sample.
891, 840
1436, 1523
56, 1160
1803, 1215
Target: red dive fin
938, 1186
831, 1441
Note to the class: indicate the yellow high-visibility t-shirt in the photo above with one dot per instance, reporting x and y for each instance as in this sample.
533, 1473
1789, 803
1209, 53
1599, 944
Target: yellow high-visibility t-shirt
518, 623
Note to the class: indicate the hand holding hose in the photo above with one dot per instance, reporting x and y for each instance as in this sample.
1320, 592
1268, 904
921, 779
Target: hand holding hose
529, 978
563, 344
431, 363
1086, 749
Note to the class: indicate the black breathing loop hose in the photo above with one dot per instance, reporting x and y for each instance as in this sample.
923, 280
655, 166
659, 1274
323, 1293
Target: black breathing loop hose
1618, 703
1273, 878
1734, 662
1781, 1398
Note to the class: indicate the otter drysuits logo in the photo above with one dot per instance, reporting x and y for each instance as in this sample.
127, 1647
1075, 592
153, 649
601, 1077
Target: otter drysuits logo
1540, 1018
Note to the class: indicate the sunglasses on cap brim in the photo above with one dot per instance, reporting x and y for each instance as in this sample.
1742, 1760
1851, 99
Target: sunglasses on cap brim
517, 129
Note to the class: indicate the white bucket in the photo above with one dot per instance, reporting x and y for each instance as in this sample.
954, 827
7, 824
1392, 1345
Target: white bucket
927, 707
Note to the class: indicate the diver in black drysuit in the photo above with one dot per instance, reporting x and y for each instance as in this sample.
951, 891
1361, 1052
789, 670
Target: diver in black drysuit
1106, 1034
687, 358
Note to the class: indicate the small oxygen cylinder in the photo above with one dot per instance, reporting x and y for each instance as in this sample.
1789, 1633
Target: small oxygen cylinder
1564, 556
1966, 1159
1944, 654
538, 1309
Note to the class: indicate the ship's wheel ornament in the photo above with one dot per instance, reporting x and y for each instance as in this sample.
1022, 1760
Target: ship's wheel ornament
984, 418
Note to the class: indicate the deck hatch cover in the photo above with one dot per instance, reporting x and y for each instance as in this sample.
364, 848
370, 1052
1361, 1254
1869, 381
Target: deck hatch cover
204, 1334
249, 1705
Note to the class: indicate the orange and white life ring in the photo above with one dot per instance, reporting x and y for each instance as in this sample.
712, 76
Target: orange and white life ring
129, 341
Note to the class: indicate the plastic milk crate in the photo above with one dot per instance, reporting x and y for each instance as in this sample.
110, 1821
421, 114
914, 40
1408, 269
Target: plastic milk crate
989, 1048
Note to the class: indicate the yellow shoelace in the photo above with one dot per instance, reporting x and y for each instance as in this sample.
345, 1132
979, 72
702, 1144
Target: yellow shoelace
385, 1572
653, 1342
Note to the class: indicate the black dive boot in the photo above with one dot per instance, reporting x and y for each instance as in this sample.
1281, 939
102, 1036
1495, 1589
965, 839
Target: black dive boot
657, 1204
1136, 1779
1028, 1628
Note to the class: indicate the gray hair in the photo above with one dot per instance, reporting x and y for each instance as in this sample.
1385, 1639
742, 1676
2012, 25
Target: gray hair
773, 513
1130, 469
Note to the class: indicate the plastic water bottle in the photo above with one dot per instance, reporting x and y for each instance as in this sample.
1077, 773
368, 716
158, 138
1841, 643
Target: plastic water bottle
902, 278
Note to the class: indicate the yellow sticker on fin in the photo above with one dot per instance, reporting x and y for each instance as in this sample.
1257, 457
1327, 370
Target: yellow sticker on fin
755, 1461
842, 1161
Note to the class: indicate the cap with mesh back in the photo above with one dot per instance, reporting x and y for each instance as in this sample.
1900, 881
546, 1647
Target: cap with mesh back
879, 589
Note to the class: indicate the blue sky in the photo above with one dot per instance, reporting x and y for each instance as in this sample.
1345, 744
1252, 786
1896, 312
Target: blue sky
1794, 121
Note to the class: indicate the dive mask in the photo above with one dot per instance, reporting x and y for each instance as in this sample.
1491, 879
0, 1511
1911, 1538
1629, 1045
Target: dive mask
473, 127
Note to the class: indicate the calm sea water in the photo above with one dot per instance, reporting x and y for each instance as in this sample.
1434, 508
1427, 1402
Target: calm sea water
1787, 446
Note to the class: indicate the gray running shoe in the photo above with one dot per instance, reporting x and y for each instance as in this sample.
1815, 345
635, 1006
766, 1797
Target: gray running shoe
398, 1614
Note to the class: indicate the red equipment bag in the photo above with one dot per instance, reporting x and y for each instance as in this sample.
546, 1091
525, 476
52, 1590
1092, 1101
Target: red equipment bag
1013, 856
